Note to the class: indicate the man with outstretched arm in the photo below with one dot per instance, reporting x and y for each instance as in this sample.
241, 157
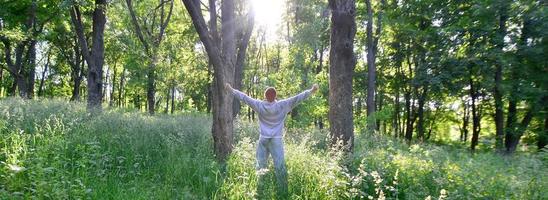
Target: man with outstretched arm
272, 115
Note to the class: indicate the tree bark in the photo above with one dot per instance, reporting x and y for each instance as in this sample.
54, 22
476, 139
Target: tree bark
222, 56
121, 87
420, 113
371, 69
31, 67
95, 57
476, 118
497, 93
514, 129
465, 121
113, 82
172, 99
239, 67
341, 69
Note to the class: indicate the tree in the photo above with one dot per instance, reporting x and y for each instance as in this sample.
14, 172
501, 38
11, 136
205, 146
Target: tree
372, 43
95, 57
151, 38
341, 69
69, 50
497, 92
222, 54
23, 30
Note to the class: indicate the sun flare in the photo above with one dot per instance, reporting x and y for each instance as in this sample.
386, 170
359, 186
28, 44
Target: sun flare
268, 15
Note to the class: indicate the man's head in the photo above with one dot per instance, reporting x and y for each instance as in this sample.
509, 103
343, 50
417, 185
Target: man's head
270, 94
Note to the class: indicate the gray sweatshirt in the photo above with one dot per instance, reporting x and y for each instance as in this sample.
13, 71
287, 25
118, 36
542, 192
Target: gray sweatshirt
272, 114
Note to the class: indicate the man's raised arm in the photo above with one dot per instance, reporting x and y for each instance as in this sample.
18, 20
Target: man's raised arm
253, 103
293, 101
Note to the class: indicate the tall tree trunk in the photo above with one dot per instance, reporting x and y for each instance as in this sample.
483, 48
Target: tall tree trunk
409, 118
420, 113
95, 58
475, 111
31, 67
341, 69
465, 121
168, 93
95, 71
371, 69
239, 67
106, 83
497, 93
223, 57
515, 130
151, 85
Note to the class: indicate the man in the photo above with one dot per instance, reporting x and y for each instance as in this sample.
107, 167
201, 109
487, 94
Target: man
272, 115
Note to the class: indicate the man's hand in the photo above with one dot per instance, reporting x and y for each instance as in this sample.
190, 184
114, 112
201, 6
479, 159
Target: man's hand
314, 88
228, 87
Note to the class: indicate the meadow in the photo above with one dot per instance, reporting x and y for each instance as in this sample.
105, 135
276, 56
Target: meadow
51, 149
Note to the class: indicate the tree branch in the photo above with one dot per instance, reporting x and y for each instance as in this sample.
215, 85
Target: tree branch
137, 27
212, 49
76, 19
164, 24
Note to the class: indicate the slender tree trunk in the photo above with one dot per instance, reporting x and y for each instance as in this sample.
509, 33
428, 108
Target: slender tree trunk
31, 66
43, 76
78, 74
497, 94
408, 116
172, 99
341, 69
465, 121
371, 70
105, 84
121, 87
168, 93
239, 67
475, 112
420, 113
151, 85
113, 88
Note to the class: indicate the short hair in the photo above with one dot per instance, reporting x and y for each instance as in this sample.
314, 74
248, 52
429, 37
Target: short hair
270, 94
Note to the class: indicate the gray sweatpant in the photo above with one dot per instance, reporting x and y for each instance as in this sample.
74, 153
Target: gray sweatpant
274, 147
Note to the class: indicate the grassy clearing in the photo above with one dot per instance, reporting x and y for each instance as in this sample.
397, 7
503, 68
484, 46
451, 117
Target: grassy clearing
54, 150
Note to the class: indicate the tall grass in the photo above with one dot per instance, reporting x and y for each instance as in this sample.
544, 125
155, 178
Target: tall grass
51, 149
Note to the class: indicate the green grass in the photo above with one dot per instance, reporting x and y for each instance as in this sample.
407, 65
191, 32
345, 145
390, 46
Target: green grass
51, 149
